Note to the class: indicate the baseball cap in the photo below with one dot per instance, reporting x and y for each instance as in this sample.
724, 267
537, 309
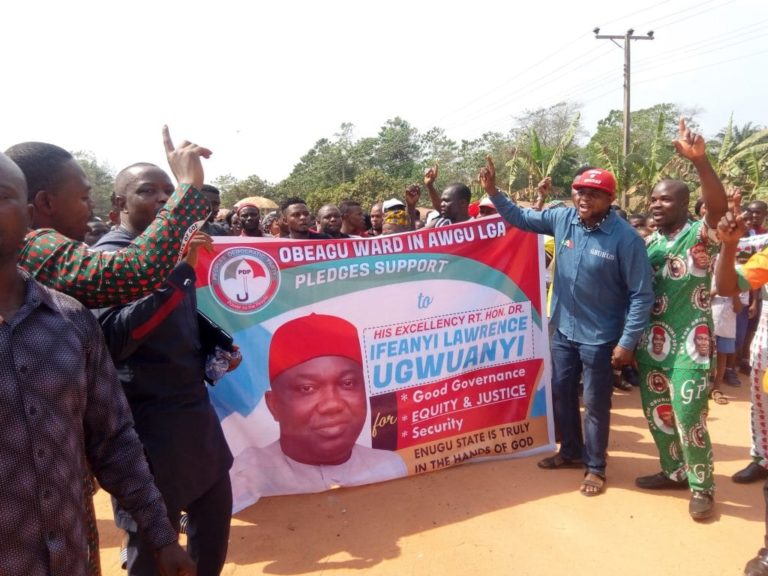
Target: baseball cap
392, 204
598, 179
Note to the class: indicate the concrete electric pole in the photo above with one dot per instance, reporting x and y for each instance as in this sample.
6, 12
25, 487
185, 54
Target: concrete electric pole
627, 123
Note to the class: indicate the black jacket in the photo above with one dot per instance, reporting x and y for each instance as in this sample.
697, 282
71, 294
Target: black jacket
155, 344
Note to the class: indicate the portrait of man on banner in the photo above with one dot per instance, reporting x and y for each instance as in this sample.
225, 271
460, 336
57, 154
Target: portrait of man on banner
317, 397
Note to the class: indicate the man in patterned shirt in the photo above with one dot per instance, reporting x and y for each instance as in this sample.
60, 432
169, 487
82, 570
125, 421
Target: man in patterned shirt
682, 317
62, 412
54, 254
730, 281
59, 193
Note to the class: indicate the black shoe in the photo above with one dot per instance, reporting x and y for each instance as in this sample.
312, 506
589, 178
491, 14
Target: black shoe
629, 374
758, 566
731, 378
622, 385
702, 505
660, 481
752, 473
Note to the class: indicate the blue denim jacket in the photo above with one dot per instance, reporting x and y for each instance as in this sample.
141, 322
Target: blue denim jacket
602, 287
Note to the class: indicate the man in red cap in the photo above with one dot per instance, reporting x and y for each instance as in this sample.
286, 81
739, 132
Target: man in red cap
701, 342
666, 417
682, 292
318, 400
658, 338
601, 300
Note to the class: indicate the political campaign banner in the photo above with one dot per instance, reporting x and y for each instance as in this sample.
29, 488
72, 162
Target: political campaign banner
368, 359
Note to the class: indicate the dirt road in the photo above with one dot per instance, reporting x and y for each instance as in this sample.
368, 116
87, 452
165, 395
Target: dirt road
507, 517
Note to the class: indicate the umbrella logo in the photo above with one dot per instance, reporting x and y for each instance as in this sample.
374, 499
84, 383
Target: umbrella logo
244, 279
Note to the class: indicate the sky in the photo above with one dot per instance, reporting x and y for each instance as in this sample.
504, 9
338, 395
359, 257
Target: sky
260, 82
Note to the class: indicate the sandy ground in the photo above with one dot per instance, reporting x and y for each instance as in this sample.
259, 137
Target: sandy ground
507, 517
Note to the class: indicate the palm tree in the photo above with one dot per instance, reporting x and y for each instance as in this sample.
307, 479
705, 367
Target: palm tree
641, 173
742, 158
537, 160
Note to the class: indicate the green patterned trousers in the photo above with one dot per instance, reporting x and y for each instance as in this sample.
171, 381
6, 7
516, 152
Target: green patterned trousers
675, 404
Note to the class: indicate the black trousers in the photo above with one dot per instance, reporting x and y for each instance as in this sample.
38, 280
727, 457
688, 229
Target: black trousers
207, 532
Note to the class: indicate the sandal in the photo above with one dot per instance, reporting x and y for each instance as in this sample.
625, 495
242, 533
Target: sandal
592, 485
557, 462
718, 396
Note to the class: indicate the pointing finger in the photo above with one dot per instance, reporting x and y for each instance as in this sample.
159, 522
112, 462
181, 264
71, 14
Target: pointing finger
167, 142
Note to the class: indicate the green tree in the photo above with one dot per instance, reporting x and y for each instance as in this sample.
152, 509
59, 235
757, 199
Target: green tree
651, 154
233, 189
397, 151
471, 157
550, 124
102, 181
740, 157
371, 186
537, 161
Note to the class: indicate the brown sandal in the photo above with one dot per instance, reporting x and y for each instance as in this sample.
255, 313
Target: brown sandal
592, 485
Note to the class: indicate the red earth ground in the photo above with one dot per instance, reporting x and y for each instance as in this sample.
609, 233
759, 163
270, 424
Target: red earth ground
507, 517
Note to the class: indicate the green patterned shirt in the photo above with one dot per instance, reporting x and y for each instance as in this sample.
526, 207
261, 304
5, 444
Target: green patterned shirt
100, 279
680, 331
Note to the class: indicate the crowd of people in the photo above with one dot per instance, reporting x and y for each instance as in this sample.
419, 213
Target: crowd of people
118, 394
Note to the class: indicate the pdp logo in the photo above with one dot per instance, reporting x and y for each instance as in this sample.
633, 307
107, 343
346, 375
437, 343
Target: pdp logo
244, 279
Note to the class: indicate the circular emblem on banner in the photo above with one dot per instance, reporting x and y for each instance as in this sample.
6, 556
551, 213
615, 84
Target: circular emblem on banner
244, 279
660, 305
698, 435
700, 298
657, 382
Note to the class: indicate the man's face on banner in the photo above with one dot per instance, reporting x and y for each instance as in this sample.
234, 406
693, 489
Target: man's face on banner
657, 340
702, 344
320, 406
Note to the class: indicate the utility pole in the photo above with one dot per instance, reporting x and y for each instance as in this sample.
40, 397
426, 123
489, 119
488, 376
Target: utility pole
627, 122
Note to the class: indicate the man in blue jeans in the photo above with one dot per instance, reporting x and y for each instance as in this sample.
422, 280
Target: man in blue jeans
601, 302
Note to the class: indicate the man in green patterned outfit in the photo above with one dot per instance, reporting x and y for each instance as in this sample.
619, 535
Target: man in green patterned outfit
674, 352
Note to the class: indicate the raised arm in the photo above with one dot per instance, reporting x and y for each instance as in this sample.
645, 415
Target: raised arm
525, 219
730, 230
430, 175
691, 146
412, 195
543, 189
101, 279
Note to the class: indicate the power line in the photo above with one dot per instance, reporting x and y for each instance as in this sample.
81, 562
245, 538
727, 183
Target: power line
591, 85
627, 87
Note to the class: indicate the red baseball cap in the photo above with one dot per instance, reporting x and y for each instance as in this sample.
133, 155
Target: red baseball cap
598, 179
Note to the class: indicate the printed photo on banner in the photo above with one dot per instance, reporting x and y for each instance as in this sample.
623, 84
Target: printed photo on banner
371, 359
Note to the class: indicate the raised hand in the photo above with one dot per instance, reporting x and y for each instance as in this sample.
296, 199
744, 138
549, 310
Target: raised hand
487, 176
199, 241
544, 187
732, 227
689, 144
430, 175
185, 160
412, 195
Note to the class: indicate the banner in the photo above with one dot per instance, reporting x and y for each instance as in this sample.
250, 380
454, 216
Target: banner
375, 358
